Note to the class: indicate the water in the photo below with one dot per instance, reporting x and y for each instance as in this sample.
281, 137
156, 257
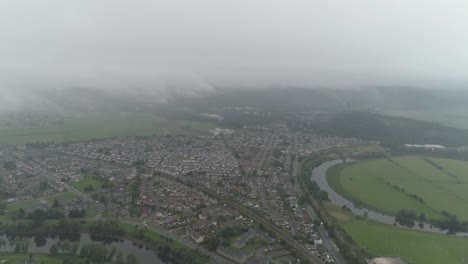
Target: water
42, 244
319, 175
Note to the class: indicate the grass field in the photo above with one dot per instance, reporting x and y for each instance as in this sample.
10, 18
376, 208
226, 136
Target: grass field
389, 185
63, 196
88, 180
27, 204
22, 204
15, 258
387, 240
91, 211
100, 126
459, 120
413, 246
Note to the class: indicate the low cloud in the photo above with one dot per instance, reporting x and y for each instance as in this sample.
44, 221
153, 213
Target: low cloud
168, 48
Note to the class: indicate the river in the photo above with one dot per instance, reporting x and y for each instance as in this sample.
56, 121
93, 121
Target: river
42, 244
319, 175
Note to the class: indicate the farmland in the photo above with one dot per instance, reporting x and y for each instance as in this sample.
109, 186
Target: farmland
99, 126
425, 185
413, 246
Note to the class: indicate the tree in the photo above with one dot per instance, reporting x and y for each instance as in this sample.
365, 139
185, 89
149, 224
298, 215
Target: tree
21, 213
89, 188
3, 207
20, 244
131, 259
74, 248
39, 240
119, 258
56, 204
2, 242
212, 243
9, 165
112, 252
65, 246
38, 216
43, 185
53, 249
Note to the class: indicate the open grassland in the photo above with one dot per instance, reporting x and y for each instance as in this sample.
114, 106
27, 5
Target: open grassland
413, 246
459, 120
99, 126
426, 185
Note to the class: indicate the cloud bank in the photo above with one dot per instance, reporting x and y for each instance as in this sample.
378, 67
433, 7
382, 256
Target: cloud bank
182, 47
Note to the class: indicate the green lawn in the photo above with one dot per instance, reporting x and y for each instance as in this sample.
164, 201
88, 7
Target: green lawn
88, 180
413, 246
390, 185
152, 234
91, 211
63, 196
98, 126
22, 204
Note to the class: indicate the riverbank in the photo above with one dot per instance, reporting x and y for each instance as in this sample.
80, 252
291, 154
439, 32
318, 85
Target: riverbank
319, 175
41, 244
137, 236
14, 258
359, 237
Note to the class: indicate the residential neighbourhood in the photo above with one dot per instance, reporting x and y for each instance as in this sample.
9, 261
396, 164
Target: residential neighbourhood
160, 182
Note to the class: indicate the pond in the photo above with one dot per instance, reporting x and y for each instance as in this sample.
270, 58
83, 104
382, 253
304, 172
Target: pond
42, 244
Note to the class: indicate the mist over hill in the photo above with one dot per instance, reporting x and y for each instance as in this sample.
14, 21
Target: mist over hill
276, 99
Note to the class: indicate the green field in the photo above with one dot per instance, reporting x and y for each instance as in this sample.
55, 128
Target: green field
457, 119
63, 196
22, 204
88, 180
389, 185
98, 126
413, 246
15, 258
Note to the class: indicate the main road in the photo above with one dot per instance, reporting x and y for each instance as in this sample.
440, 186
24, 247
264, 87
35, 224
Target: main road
266, 224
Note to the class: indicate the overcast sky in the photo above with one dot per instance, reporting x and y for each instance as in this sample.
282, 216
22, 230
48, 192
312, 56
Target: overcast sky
128, 44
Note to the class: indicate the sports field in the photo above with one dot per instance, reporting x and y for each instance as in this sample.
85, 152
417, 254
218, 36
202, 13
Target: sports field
98, 126
426, 185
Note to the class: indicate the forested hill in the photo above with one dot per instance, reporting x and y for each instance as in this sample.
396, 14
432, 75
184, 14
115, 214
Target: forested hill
391, 129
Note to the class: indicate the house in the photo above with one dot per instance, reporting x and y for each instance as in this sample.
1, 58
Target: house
235, 255
252, 233
195, 235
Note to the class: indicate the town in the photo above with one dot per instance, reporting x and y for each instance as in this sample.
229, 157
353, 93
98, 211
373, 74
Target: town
180, 184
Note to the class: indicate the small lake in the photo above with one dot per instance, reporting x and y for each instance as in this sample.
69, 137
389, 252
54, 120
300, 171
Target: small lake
319, 175
42, 244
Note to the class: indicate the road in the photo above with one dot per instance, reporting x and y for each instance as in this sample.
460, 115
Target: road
266, 224
327, 242
38, 169
260, 188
